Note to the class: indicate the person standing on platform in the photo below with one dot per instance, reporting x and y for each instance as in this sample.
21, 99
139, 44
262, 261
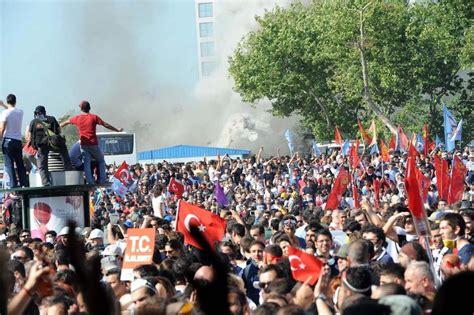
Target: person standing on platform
45, 136
86, 123
10, 129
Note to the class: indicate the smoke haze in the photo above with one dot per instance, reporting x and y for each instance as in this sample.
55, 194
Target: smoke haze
103, 52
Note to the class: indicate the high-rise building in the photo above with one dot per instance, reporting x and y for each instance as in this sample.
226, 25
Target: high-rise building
205, 36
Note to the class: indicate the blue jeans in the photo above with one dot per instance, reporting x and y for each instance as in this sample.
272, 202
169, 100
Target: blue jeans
12, 153
90, 152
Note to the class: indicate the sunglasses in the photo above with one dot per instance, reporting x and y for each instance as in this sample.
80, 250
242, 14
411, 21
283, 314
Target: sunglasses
263, 285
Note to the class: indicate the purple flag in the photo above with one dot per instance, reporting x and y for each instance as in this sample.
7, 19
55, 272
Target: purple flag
220, 196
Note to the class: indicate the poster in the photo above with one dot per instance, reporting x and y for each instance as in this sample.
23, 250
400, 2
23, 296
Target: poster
139, 251
53, 213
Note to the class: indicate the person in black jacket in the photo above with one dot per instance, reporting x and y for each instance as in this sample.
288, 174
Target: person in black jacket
44, 130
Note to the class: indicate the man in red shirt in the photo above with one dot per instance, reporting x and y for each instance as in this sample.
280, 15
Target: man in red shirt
87, 123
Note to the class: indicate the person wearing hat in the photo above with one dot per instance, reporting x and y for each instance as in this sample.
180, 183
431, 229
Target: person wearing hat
44, 132
87, 124
96, 239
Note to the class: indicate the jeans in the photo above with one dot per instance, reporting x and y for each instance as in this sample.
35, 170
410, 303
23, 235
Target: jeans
12, 153
42, 162
90, 152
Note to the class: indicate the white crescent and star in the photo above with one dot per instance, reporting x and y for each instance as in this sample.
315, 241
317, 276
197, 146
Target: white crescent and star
126, 172
300, 263
188, 218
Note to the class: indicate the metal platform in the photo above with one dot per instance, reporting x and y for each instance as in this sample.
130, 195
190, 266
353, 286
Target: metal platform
59, 178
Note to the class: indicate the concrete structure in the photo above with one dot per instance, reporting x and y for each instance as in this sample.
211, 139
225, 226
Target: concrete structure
205, 36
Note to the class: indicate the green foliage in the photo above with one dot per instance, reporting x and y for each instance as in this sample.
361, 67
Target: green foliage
306, 60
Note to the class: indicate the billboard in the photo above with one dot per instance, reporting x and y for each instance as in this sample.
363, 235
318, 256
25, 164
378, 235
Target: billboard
53, 213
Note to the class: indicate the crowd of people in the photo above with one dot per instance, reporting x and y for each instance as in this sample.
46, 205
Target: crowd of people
373, 260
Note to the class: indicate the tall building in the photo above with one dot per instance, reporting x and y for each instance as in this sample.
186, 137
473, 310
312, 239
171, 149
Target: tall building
205, 36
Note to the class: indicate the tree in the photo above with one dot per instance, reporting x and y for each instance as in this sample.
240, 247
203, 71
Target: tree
334, 61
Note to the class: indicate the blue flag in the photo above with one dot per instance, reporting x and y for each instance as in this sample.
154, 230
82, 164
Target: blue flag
316, 150
457, 134
375, 149
450, 126
420, 144
345, 147
118, 187
289, 138
438, 141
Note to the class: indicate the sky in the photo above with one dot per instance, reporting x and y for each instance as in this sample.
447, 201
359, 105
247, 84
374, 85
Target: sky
136, 62
57, 53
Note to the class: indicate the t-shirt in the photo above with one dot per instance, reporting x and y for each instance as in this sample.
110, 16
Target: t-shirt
12, 117
87, 123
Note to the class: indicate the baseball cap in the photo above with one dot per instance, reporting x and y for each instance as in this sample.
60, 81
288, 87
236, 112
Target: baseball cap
109, 263
436, 216
128, 224
96, 233
141, 283
342, 251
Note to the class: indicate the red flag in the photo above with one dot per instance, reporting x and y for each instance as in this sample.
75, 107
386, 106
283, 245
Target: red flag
302, 185
363, 133
456, 186
424, 183
411, 149
337, 137
176, 187
304, 266
376, 193
402, 138
355, 195
123, 174
415, 203
338, 189
393, 143
355, 155
426, 140
210, 225
384, 152
442, 177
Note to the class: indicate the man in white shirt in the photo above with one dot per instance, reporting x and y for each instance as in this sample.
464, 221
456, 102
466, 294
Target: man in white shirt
10, 130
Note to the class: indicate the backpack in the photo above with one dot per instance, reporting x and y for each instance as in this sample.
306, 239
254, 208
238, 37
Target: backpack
54, 141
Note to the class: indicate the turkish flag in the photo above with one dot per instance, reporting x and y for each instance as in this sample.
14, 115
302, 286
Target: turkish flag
123, 174
339, 188
402, 139
442, 177
415, 202
210, 225
337, 137
176, 188
456, 186
384, 152
304, 266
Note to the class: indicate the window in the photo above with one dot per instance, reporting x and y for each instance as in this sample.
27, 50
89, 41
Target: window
116, 144
207, 67
206, 29
207, 49
205, 9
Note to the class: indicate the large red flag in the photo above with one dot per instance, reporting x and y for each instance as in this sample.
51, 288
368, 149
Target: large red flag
210, 225
411, 147
377, 193
123, 174
424, 183
384, 152
337, 137
426, 140
442, 177
304, 267
456, 186
363, 133
176, 188
415, 203
339, 188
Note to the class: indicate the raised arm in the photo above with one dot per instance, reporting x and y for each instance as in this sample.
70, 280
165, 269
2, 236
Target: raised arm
65, 123
110, 127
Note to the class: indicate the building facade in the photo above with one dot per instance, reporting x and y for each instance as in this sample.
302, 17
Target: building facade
205, 36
